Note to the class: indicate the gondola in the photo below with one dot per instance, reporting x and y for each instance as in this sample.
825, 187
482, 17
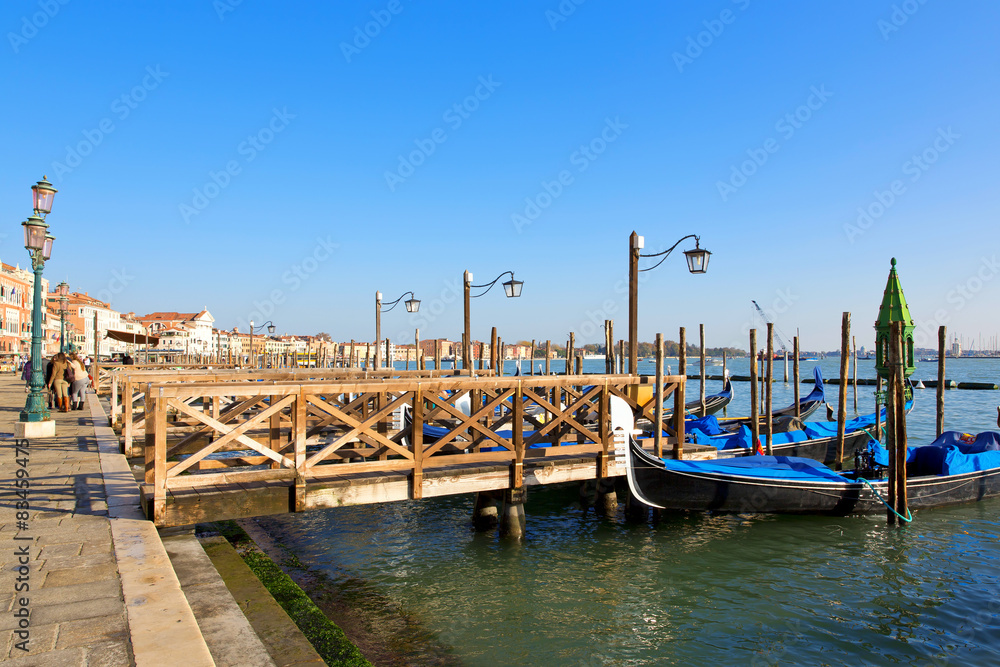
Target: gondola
713, 403
808, 404
955, 468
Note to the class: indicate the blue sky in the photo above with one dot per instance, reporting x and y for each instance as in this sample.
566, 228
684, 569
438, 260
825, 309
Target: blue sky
278, 163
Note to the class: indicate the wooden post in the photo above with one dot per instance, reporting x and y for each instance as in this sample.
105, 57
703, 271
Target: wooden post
416, 344
724, 410
845, 351
896, 425
481, 356
569, 354
531, 359
633, 303
351, 362
795, 373
769, 424
786, 365
437, 354
579, 364
682, 353
701, 361
658, 424
499, 357
548, 355
417, 440
493, 349
621, 356
97, 340
854, 356
940, 383
609, 348
754, 401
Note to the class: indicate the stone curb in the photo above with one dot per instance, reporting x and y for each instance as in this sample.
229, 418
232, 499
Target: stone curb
161, 624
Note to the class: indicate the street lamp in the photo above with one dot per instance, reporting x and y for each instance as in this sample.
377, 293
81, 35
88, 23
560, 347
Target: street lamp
412, 305
512, 288
697, 261
270, 330
38, 243
63, 304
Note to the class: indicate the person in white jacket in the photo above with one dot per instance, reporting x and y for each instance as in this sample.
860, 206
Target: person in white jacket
78, 389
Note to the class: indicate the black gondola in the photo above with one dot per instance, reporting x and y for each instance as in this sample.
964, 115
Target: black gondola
943, 474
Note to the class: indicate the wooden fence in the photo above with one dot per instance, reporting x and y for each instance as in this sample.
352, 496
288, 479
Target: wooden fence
221, 449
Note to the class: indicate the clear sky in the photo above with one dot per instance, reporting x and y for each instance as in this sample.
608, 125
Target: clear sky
284, 161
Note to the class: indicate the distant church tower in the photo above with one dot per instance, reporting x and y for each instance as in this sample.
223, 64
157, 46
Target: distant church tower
956, 348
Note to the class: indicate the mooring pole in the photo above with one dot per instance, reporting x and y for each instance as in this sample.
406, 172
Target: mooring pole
701, 361
658, 426
609, 347
940, 383
531, 361
569, 353
795, 373
769, 424
845, 351
854, 355
754, 401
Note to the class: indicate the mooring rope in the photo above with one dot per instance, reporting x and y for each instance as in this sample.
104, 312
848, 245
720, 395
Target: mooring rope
879, 496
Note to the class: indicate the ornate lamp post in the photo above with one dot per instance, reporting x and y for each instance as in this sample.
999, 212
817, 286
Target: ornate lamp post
63, 304
38, 243
512, 288
697, 261
270, 330
412, 306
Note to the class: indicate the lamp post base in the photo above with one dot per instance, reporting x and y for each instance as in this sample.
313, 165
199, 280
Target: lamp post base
30, 430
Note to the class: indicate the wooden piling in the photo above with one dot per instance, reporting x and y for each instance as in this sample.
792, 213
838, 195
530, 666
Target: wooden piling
437, 354
725, 411
754, 402
795, 374
845, 351
621, 356
579, 364
896, 425
942, 330
416, 345
493, 348
658, 426
569, 354
679, 400
701, 362
769, 423
854, 356
682, 352
786, 366
609, 347
548, 356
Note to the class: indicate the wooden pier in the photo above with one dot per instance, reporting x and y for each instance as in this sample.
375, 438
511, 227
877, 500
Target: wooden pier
225, 444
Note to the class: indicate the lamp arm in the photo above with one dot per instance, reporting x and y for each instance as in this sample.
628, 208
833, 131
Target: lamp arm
489, 286
396, 302
666, 253
261, 326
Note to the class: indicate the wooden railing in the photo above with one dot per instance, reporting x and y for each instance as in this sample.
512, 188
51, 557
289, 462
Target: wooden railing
200, 435
127, 387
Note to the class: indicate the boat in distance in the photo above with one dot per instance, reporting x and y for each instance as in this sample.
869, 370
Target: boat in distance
955, 468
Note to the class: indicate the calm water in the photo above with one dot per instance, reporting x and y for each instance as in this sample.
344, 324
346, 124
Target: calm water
693, 589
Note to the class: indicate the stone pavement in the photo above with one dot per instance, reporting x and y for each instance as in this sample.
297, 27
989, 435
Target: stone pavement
92, 573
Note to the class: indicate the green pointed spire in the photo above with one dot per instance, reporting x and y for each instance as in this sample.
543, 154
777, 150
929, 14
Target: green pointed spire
893, 309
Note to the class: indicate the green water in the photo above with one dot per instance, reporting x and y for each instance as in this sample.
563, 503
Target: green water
693, 589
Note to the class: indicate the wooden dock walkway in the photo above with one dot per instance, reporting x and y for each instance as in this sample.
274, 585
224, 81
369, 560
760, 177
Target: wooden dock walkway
233, 444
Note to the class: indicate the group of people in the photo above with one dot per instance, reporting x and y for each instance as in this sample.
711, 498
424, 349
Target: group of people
66, 379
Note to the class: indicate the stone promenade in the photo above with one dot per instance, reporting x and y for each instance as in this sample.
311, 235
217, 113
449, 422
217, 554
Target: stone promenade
84, 578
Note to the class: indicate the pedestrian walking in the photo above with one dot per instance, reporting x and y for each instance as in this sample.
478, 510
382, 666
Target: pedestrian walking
59, 383
78, 386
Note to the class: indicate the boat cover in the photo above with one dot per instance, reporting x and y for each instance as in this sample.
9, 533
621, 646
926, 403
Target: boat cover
768, 467
953, 453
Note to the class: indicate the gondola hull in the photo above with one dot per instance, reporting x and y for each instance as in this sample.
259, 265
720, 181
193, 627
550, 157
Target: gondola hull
655, 485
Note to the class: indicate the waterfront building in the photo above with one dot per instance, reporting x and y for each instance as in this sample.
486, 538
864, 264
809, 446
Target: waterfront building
183, 333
